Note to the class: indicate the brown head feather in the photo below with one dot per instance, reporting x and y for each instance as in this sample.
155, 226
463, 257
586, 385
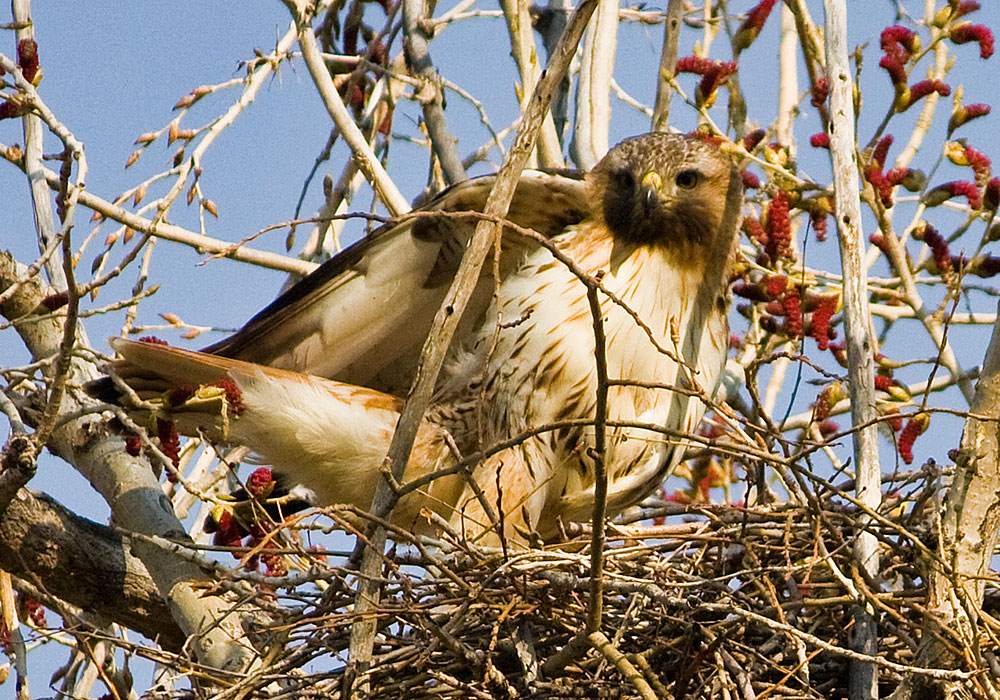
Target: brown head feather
665, 189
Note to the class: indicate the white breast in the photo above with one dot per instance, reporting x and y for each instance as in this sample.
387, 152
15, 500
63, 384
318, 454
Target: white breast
540, 367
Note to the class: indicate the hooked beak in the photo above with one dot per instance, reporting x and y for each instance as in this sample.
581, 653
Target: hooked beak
651, 185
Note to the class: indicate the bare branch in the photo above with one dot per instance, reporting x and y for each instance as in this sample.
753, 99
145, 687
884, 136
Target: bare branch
860, 344
969, 527
418, 57
593, 107
170, 232
130, 488
83, 563
32, 127
668, 61
522, 44
362, 150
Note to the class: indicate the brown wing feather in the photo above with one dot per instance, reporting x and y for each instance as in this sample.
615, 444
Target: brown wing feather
362, 317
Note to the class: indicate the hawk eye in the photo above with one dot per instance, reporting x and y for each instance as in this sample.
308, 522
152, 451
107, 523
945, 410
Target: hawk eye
623, 178
688, 179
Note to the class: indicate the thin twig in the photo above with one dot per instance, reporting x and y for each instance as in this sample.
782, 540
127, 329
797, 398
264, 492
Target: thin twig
595, 607
178, 234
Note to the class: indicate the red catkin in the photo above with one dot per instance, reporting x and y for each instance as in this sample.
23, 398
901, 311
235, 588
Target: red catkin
133, 445
881, 150
899, 41
260, 483
884, 382
938, 245
170, 442
750, 181
712, 73
957, 188
754, 22
966, 33
991, 195
36, 613
792, 305
911, 431
920, 90
820, 91
878, 241
820, 140
819, 223
753, 292
883, 187
962, 8
980, 164
819, 328
179, 394
966, 113
753, 228
779, 231
897, 74
234, 397
776, 285
27, 60
984, 266
839, 352
274, 564
751, 140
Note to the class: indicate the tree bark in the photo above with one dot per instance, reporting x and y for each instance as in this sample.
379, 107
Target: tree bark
84, 564
860, 341
129, 487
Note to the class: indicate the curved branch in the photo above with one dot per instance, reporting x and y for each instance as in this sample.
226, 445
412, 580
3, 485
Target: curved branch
441, 333
84, 564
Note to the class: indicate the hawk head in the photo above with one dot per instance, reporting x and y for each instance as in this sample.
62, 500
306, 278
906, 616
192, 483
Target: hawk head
666, 189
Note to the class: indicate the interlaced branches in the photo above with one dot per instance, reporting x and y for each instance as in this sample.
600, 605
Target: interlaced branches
738, 576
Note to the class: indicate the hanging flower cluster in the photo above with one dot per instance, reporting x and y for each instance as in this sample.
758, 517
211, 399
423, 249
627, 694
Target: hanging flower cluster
229, 527
713, 74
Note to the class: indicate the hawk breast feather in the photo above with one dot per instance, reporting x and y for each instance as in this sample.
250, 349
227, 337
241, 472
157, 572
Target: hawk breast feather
319, 371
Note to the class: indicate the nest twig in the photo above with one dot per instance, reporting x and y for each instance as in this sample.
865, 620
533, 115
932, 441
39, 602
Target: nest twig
708, 602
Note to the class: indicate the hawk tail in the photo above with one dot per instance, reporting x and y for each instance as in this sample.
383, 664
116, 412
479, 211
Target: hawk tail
329, 436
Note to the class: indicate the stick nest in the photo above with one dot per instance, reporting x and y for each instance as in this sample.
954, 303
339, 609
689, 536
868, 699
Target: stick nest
712, 602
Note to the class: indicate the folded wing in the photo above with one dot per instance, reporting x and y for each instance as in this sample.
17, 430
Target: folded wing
363, 316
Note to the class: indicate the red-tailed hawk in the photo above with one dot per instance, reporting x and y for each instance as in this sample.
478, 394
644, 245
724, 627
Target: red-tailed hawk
318, 373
